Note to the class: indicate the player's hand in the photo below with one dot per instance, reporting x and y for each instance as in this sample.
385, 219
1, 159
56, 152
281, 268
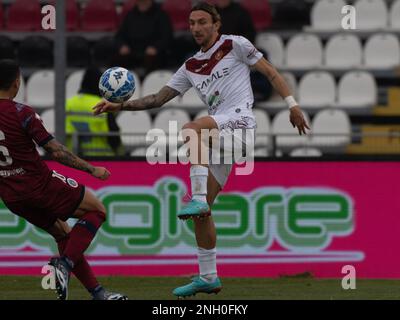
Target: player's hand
101, 173
105, 106
297, 120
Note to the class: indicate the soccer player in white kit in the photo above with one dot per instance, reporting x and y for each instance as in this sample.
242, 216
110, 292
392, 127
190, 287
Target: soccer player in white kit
220, 74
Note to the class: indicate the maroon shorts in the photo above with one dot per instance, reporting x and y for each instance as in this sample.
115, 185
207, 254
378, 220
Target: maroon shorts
59, 199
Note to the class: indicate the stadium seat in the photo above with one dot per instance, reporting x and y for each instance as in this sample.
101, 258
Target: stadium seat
394, 19
21, 96
128, 6
304, 51
48, 118
73, 22
273, 45
306, 152
100, 15
288, 137
155, 81
276, 102
357, 90
135, 123
139, 152
1, 16
36, 52
317, 90
24, 15
201, 114
331, 130
178, 11
260, 11
191, 100
343, 51
78, 52
7, 50
164, 117
263, 132
326, 15
73, 83
138, 85
371, 14
40, 89
382, 51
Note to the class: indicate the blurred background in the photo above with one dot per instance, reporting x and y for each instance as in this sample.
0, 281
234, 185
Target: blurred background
347, 81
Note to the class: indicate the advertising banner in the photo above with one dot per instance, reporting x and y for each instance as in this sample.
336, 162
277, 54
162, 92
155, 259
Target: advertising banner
286, 218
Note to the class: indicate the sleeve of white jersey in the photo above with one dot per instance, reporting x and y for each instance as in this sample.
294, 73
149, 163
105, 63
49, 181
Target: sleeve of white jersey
246, 51
180, 81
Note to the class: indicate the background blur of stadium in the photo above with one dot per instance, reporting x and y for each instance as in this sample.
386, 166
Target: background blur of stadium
347, 81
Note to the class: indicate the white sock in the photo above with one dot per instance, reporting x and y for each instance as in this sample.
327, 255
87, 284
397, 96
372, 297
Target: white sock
199, 177
207, 264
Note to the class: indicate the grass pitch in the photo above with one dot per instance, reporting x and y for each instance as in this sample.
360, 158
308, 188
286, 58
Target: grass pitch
138, 288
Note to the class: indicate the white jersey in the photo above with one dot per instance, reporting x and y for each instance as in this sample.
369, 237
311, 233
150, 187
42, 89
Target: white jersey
221, 78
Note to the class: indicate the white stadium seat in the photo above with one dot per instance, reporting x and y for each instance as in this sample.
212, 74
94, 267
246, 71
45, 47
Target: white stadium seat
371, 15
304, 51
40, 89
201, 114
48, 118
73, 83
21, 96
155, 81
306, 152
263, 132
137, 123
334, 123
382, 51
191, 100
343, 51
394, 19
178, 119
273, 45
276, 102
357, 90
326, 15
287, 136
317, 90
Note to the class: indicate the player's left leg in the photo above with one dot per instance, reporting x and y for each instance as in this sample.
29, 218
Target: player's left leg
206, 238
199, 160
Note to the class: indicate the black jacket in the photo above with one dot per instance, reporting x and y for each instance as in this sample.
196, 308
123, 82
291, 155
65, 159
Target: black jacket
237, 21
142, 29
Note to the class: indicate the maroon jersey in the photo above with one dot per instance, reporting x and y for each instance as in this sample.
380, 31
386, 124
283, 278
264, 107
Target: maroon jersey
23, 174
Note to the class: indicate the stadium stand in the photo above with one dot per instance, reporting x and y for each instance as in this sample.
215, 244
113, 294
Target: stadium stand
24, 15
326, 67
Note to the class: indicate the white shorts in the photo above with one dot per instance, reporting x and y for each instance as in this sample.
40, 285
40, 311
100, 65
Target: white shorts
240, 133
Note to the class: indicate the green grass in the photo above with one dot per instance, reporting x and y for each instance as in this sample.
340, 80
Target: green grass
29, 288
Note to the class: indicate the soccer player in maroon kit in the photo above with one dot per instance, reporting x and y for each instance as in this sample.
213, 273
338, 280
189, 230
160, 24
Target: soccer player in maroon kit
43, 197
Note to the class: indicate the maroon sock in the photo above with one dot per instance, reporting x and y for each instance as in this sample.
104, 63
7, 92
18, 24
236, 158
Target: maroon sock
82, 235
82, 269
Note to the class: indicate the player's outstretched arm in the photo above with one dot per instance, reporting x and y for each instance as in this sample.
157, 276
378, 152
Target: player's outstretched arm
61, 154
280, 85
149, 102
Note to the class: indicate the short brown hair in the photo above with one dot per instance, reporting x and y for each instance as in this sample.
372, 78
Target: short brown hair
209, 8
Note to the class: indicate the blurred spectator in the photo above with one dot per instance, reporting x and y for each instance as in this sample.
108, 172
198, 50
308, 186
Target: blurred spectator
144, 37
235, 19
79, 118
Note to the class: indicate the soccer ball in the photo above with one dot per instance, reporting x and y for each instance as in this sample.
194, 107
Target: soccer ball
117, 85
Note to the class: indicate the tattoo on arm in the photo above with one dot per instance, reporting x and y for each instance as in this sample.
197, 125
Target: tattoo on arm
61, 154
152, 101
